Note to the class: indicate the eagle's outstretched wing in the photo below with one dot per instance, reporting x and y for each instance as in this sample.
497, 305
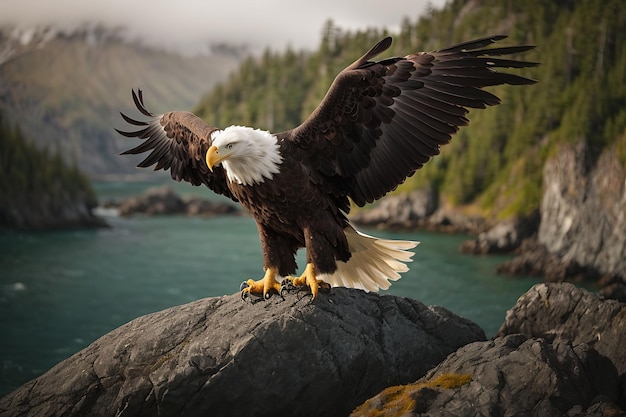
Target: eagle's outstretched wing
381, 121
178, 141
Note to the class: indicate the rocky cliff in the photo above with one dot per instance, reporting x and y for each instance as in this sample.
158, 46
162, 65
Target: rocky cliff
419, 209
583, 209
578, 232
582, 233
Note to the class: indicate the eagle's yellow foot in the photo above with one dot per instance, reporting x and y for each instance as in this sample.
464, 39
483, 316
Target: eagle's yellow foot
307, 280
264, 287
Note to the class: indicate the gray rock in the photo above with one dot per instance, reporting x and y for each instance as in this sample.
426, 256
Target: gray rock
582, 233
508, 376
61, 210
564, 312
406, 210
445, 220
163, 200
504, 237
195, 206
159, 200
534, 259
418, 209
614, 289
583, 210
221, 356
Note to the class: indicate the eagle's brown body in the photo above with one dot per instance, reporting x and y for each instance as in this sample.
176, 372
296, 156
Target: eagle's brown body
378, 124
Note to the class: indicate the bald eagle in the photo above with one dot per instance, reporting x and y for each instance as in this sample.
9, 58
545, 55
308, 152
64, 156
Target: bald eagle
379, 122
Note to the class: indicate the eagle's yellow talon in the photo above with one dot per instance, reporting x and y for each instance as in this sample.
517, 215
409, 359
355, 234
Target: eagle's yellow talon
264, 287
309, 279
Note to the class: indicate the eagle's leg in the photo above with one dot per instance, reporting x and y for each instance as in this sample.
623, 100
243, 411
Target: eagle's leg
265, 287
309, 279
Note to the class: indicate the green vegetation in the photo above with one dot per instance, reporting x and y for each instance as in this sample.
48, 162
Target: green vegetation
496, 163
36, 182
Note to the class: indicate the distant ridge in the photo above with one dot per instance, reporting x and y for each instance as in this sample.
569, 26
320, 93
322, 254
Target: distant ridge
64, 88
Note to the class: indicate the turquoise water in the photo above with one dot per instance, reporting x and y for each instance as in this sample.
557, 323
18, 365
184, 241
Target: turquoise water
61, 290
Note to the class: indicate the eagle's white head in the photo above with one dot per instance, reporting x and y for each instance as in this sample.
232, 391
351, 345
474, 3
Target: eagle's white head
249, 156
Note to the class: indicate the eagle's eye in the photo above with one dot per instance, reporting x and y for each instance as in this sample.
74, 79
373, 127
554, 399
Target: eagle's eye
229, 146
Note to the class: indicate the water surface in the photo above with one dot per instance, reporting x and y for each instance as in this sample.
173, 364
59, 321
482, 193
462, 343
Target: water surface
61, 290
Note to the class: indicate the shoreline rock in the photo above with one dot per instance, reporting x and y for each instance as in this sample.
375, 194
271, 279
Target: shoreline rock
163, 200
43, 214
505, 237
524, 376
221, 356
419, 209
582, 233
565, 313
559, 352
583, 209
577, 234
534, 259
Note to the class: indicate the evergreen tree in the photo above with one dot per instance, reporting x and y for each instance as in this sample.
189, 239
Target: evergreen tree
36, 181
496, 162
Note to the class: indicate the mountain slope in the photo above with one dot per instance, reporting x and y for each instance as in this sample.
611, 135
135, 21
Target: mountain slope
66, 90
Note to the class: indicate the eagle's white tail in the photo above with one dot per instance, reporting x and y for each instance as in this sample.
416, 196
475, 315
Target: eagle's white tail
374, 262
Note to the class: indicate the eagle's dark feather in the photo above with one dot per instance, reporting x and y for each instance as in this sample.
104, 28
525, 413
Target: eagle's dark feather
379, 122
178, 141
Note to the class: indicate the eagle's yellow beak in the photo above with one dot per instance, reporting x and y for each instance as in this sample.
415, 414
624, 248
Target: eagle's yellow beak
213, 157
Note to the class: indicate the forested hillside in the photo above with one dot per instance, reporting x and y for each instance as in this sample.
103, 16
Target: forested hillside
494, 165
38, 189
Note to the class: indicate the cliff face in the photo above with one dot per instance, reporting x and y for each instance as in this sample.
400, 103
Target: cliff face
579, 232
583, 210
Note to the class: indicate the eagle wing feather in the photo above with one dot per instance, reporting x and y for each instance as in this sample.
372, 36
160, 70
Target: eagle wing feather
177, 141
381, 121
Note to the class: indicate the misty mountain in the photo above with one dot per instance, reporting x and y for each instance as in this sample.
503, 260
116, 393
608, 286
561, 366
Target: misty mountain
65, 89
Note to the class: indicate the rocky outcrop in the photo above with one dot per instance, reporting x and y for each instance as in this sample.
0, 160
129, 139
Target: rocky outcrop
534, 259
163, 200
583, 209
559, 352
578, 233
418, 209
582, 233
504, 237
566, 313
511, 375
63, 210
221, 356
400, 211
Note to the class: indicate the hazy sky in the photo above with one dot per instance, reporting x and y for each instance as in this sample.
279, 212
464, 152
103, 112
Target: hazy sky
256, 23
